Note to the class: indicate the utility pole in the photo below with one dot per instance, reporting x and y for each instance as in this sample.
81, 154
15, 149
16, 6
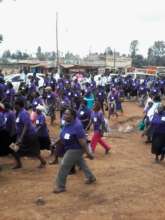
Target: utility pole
57, 51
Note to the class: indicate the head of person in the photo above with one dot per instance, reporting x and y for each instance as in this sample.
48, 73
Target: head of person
69, 115
48, 89
96, 107
2, 79
7, 106
83, 103
34, 94
30, 77
19, 104
39, 109
9, 85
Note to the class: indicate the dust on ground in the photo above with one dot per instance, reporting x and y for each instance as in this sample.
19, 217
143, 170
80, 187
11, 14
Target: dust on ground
130, 186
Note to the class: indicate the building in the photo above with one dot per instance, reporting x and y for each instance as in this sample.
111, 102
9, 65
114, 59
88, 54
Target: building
105, 61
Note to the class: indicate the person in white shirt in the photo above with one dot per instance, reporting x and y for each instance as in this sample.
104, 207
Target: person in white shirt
150, 114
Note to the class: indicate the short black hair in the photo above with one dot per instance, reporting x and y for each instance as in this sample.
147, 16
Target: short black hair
20, 102
7, 105
72, 111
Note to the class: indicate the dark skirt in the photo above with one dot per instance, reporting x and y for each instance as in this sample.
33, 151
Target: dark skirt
158, 144
44, 142
59, 149
5, 141
30, 147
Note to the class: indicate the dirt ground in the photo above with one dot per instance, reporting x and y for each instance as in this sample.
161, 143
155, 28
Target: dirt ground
130, 185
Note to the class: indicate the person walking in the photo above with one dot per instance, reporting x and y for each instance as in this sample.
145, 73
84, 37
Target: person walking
74, 141
26, 136
97, 119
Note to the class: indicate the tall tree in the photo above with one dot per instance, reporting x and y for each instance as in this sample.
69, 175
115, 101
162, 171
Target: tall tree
39, 54
156, 54
108, 51
134, 48
138, 61
159, 48
1, 38
6, 54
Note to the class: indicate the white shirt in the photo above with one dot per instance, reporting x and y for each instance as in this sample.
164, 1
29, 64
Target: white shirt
153, 110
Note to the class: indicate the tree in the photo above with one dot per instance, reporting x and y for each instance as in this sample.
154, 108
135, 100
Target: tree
1, 38
138, 61
39, 54
156, 54
134, 48
159, 48
6, 54
108, 51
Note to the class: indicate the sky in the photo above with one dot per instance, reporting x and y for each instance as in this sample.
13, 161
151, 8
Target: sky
84, 25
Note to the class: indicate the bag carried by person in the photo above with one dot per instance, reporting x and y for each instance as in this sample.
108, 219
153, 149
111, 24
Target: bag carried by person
141, 126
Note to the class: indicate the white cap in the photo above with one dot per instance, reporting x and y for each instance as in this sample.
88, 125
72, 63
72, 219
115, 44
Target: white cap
40, 108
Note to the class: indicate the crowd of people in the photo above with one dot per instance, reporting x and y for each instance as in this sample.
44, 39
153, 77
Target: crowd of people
24, 127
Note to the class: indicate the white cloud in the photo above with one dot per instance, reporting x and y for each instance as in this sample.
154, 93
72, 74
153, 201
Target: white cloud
83, 24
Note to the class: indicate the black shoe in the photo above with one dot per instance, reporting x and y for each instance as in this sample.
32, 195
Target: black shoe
107, 151
59, 190
162, 157
42, 165
90, 181
148, 142
18, 166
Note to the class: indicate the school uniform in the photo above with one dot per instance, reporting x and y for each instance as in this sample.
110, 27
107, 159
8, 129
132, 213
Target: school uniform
97, 119
31, 88
10, 125
84, 114
42, 133
77, 99
100, 96
50, 101
112, 103
4, 137
35, 102
2, 90
52, 83
10, 95
158, 137
74, 153
30, 145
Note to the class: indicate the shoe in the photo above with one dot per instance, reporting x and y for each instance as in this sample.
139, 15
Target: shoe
42, 165
18, 166
90, 181
148, 142
53, 162
107, 151
162, 157
59, 190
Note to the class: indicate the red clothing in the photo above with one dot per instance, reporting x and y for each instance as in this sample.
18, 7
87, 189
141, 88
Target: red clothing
96, 138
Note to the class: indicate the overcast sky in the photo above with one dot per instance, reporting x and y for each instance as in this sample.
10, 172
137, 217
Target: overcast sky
83, 24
